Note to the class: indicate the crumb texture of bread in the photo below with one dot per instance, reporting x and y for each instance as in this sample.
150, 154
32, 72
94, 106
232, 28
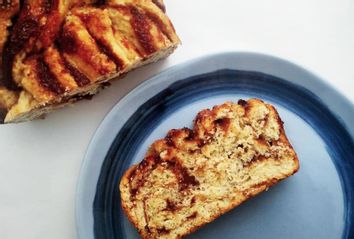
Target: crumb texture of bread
62, 49
193, 176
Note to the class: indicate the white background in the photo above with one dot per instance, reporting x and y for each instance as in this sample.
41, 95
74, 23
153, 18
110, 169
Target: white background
40, 161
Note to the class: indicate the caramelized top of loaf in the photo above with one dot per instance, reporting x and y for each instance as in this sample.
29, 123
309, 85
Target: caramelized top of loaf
8, 9
192, 176
59, 49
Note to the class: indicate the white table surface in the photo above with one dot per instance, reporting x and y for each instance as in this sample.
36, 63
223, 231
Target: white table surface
40, 161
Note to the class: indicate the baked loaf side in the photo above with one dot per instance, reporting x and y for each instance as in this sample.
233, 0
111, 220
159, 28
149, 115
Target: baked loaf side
60, 51
191, 177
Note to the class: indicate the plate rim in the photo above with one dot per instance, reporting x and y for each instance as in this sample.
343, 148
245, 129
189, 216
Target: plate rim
104, 124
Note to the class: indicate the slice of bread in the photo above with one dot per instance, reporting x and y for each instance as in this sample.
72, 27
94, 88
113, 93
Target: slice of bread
191, 177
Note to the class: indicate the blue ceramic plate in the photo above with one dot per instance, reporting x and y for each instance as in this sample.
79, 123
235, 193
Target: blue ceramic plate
317, 202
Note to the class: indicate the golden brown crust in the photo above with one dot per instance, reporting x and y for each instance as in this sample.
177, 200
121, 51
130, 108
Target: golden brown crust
8, 9
7, 98
248, 136
88, 45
